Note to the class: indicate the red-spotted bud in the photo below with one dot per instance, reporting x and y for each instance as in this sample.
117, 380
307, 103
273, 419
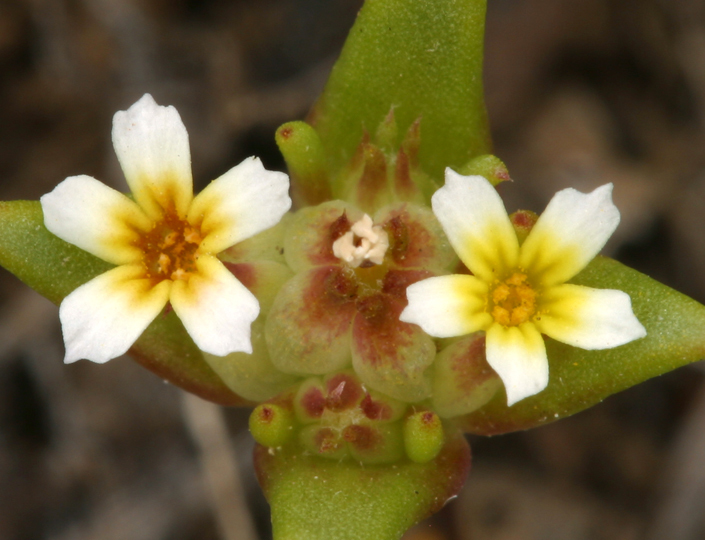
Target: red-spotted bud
344, 419
271, 425
523, 221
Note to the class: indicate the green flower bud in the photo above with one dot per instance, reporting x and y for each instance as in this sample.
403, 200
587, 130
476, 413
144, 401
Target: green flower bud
271, 425
302, 149
423, 436
489, 166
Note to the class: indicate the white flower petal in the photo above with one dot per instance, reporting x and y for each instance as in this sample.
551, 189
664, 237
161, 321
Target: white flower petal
567, 236
447, 306
474, 219
518, 355
88, 214
216, 309
244, 201
588, 318
103, 318
152, 146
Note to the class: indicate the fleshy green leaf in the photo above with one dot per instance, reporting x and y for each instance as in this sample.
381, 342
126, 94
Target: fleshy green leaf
423, 59
347, 501
675, 327
54, 268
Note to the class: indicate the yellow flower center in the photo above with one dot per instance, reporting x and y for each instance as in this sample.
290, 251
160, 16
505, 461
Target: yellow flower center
513, 301
170, 249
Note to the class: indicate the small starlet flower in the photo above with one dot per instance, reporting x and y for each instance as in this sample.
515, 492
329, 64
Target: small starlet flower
518, 291
163, 240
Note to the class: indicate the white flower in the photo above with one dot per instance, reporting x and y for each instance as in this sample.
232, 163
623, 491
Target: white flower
163, 240
518, 292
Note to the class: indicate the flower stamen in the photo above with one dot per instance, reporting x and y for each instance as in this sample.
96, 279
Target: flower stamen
364, 244
170, 249
513, 301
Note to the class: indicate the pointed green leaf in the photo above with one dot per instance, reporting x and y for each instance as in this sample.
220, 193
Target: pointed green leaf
675, 327
54, 268
423, 58
314, 498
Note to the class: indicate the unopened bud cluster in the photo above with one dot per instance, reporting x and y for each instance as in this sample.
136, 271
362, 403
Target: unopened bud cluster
337, 417
338, 372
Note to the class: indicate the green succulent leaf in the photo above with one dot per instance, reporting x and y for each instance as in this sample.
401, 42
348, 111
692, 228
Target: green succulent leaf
423, 59
579, 379
345, 500
54, 268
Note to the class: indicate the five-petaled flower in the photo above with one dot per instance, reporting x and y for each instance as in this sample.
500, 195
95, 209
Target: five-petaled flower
163, 240
518, 291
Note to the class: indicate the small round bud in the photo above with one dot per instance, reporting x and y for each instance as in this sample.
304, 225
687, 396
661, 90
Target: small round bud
423, 436
523, 221
489, 166
271, 425
305, 157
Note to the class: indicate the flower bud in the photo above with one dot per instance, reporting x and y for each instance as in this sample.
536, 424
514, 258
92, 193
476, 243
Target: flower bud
489, 166
303, 151
523, 221
271, 425
423, 436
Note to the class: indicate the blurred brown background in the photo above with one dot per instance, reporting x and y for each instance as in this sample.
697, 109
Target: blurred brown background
580, 93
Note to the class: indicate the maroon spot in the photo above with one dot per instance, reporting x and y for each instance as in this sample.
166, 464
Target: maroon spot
428, 418
397, 281
323, 312
266, 414
286, 132
244, 272
326, 440
313, 402
344, 392
340, 285
402, 174
339, 227
398, 238
374, 410
470, 366
361, 437
502, 173
383, 341
373, 307
523, 219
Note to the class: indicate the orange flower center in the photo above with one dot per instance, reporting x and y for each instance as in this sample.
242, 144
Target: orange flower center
170, 249
513, 301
